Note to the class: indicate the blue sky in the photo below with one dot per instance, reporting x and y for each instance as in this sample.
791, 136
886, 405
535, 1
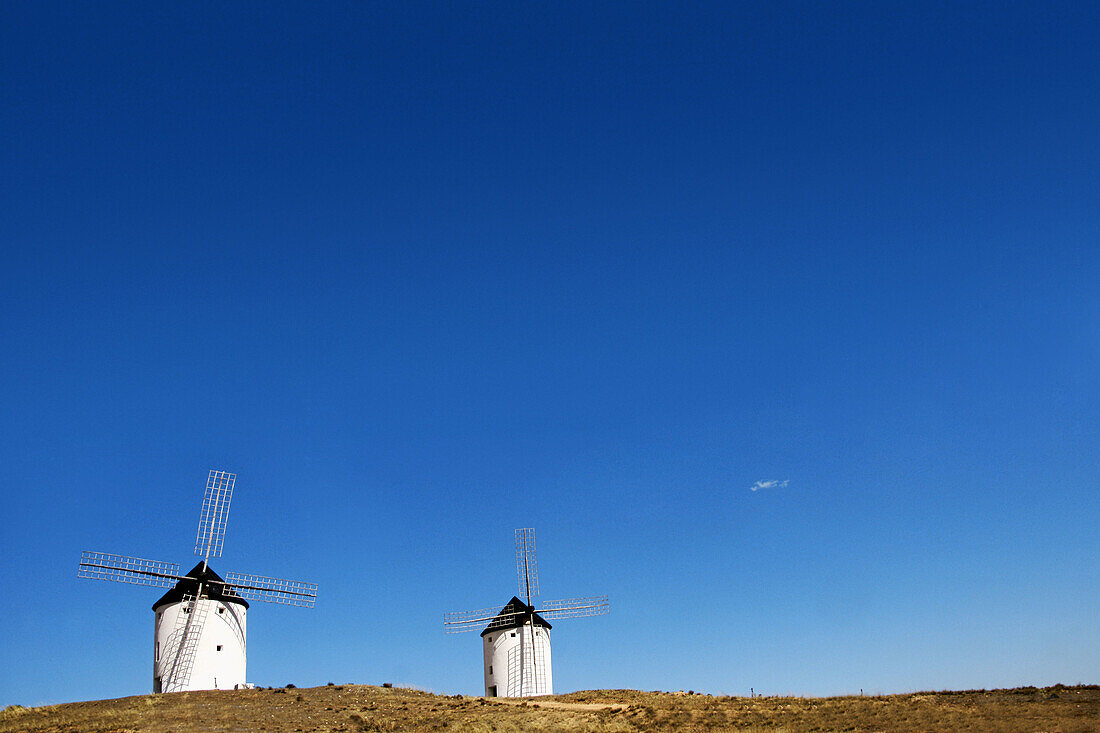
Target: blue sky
421, 274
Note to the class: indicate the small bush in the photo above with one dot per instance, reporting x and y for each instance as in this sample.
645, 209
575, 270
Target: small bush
291, 686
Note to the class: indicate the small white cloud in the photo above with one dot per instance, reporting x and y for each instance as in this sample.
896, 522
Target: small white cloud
769, 484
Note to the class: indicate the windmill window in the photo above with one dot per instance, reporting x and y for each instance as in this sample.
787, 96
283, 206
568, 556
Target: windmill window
221, 609
219, 647
490, 669
156, 653
490, 640
187, 610
513, 633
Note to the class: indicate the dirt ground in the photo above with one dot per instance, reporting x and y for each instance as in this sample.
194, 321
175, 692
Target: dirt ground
368, 708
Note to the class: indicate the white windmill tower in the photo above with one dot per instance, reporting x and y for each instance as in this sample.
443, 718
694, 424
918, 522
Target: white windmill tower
516, 639
199, 632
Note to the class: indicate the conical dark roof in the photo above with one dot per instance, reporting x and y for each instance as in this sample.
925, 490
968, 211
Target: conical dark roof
190, 583
507, 620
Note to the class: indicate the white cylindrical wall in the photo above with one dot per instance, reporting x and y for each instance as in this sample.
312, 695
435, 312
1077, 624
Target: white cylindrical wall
220, 657
503, 650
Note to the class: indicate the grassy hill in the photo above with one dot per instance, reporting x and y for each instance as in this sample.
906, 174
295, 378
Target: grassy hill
368, 708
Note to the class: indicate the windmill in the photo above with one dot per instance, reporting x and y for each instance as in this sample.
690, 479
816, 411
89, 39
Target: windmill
189, 652
516, 639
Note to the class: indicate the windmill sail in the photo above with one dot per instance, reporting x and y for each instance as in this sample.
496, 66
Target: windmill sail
126, 569
527, 666
456, 622
183, 644
215, 513
576, 607
273, 590
527, 567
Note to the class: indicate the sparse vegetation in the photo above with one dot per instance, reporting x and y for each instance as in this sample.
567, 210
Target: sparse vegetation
354, 708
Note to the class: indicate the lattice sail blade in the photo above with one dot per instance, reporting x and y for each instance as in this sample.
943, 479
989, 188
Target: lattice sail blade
527, 666
515, 671
574, 607
183, 644
215, 513
456, 622
527, 569
272, 590
125, 569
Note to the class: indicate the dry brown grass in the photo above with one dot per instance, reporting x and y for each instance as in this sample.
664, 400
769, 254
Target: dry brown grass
357, 708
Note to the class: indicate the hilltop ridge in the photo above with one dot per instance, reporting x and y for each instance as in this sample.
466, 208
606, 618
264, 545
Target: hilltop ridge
354, 708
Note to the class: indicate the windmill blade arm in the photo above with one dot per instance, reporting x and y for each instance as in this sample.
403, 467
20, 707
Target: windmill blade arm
456, 622
574, 607
215, 513
527, 567
125, 569
272, 590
